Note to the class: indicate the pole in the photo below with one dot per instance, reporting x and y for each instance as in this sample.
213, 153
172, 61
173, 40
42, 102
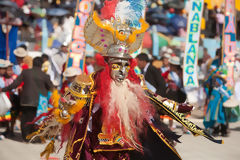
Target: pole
7, 39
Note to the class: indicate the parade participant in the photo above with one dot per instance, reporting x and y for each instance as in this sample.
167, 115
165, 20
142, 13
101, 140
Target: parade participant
69, 74
111, 114
215, 119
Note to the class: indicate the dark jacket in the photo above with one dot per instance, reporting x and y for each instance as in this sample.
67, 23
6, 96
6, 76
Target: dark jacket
154, 77
35, 82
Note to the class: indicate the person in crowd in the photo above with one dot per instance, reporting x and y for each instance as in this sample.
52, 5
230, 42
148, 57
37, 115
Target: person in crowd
175, 83
28, 60
58, 61
89, 62
36, 82
152, 75
237, 76
215, 119
2, 84
173, 79
11, 116
69, 74
220, 18
20, 53
165, 63
211, 25
46, 63
2, 72
206, 19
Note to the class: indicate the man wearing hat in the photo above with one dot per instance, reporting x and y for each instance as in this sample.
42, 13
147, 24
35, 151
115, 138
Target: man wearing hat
69, 74
58, 60
165, 60
20, 53
3, 67
175, 89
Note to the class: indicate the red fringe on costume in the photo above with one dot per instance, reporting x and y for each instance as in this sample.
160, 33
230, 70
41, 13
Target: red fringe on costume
103, 98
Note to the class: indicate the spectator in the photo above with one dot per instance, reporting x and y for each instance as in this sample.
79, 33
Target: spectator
46, 64
69, 74
153, 77
175, 89
89, 61
220, 21
2, 84
58, 60
165, 61
20, 53
36, 82
2, 72
12, 95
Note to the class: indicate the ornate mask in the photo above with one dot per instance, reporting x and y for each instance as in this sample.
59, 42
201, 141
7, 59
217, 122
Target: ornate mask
119, 69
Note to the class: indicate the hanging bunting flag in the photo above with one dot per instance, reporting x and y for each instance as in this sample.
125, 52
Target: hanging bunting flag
229, 39
192, 43
78, 44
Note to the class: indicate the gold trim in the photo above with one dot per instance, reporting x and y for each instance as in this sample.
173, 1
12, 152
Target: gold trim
78, 94
192, 127
112, 150
89, 115
174, 150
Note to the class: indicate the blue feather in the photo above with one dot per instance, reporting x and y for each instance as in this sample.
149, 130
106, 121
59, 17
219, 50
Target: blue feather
130, 11
138, 6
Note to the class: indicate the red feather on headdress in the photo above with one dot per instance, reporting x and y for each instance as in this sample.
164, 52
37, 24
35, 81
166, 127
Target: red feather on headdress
108, 10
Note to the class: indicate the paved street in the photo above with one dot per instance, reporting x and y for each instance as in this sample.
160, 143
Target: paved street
191, 148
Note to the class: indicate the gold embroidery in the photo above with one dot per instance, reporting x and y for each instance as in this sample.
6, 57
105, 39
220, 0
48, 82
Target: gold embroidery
164, 139
112, 150
181, 118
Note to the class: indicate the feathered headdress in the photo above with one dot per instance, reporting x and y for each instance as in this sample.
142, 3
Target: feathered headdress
119, 30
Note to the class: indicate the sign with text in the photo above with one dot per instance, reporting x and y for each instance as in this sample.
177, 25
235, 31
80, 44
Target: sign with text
190, 78
229, 40
78, 44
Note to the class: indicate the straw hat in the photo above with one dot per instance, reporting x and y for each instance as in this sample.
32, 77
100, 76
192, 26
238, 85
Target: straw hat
20, 52
174, 60
3, 63
167, 55
71, 71
8, 63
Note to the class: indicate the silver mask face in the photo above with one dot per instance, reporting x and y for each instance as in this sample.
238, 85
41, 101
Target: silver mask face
119, 69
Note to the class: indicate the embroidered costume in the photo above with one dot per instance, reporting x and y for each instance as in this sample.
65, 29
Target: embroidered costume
111, 115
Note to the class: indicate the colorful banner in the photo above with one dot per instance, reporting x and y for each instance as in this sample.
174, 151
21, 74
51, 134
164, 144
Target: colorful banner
78, 44
229, 39
190, 78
